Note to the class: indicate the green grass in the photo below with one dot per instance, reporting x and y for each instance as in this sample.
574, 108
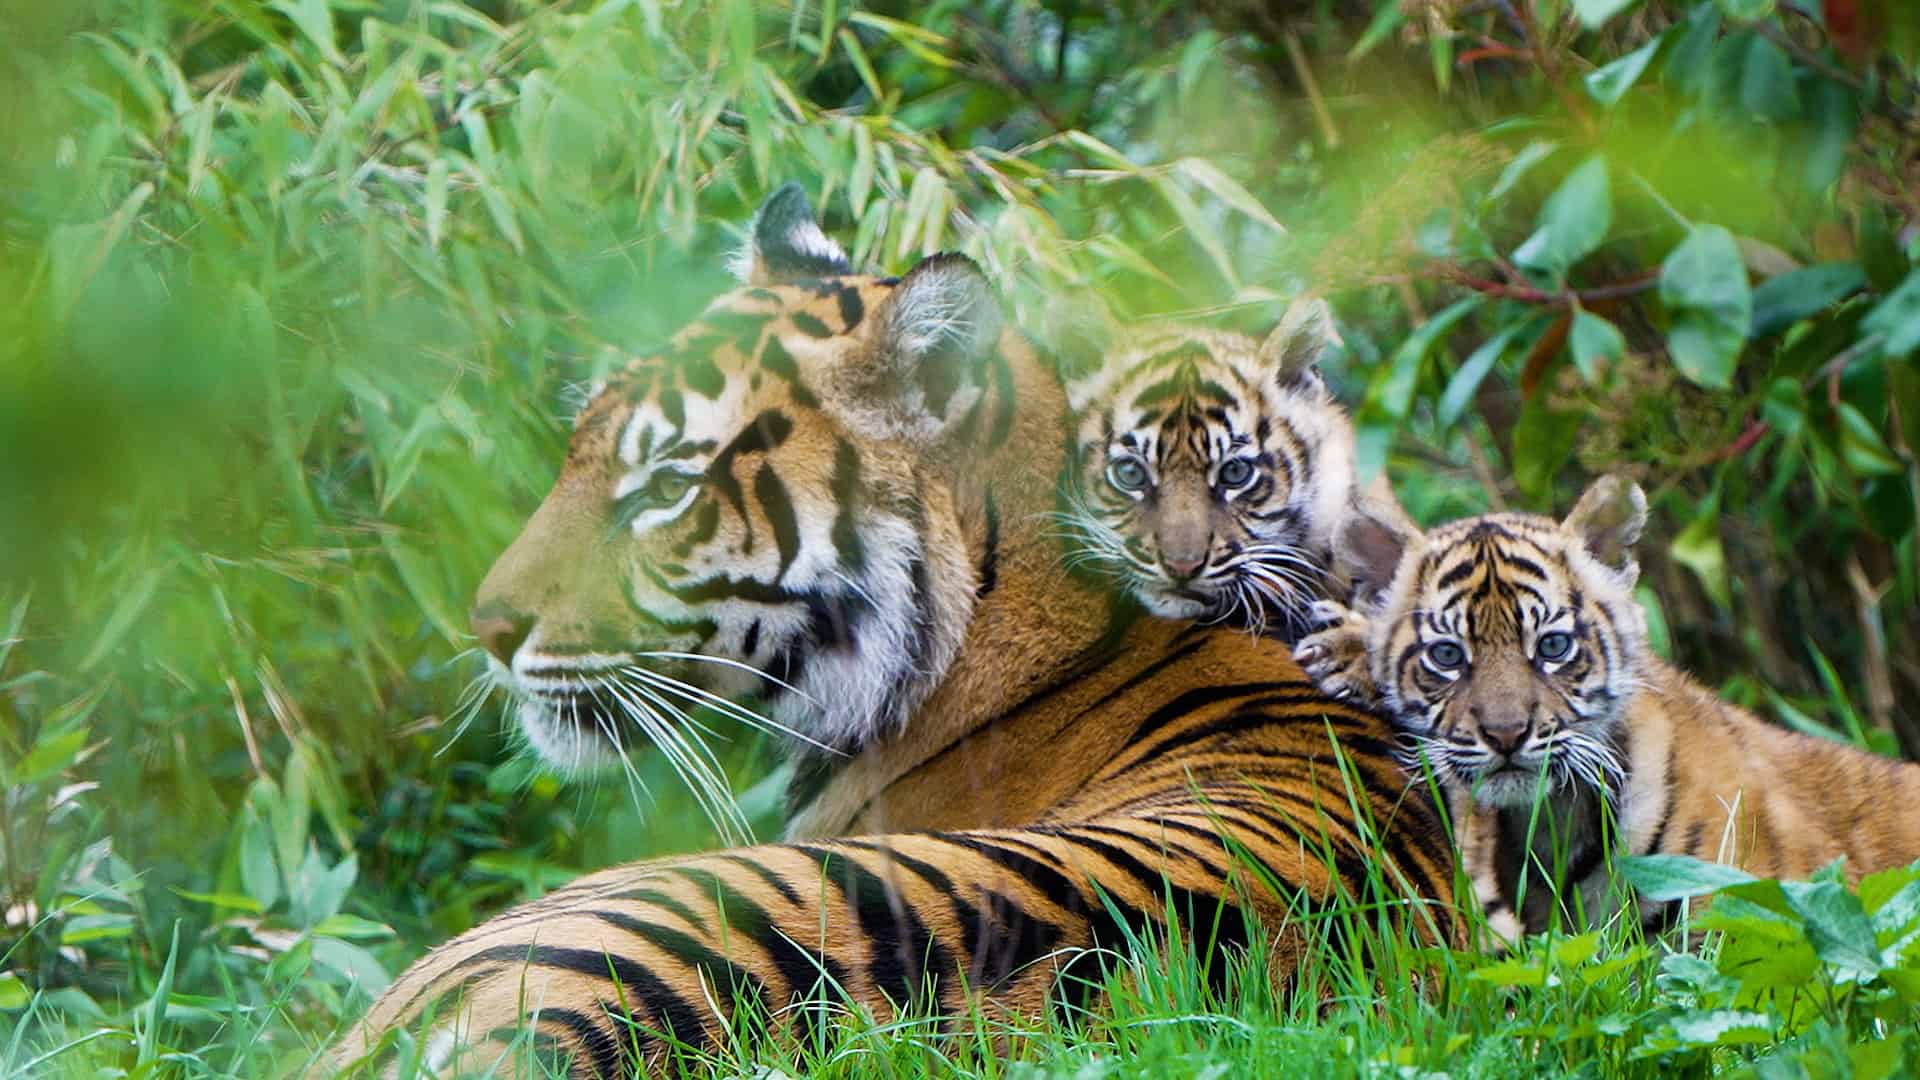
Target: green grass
297, 290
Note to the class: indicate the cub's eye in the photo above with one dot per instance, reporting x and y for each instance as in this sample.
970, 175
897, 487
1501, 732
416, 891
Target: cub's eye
1554, 646
1127, 474
1234, 472
1446, 655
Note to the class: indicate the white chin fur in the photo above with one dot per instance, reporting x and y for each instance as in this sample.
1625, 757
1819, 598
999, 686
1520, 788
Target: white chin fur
561, 744
1174, 607
1509, 789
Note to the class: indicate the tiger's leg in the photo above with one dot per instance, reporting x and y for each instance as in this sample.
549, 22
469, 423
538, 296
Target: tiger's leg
1477, 835
1335, 655
617, 967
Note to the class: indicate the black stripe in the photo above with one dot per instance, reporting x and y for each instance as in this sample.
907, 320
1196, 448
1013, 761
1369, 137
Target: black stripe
847, 501
734, 981
609, 1055
810, 325
771, 493
903, 950
990, 559
852, 310
671, 1012
802, 969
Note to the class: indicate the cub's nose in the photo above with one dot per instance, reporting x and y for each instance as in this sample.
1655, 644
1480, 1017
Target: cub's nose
1504, 738
501, 632
1182, 568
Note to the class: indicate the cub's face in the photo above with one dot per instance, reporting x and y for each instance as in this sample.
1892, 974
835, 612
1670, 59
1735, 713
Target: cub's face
742, 515
1209, 469
1505, 646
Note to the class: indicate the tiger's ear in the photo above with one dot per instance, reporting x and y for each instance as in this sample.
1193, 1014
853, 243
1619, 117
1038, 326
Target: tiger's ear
1080, 332
1608, 520
784, 243
1293, 348
921, 369
1369, 545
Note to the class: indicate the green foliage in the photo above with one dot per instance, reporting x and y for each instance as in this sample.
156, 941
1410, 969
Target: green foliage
297, 290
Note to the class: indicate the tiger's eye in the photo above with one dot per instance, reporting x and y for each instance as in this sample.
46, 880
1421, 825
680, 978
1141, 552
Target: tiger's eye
1554, 646
1235, 472
1127, 474
667, 487
1446, 655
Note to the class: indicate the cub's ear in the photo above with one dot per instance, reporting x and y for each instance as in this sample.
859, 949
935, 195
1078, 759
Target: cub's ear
1293, 348
1369, 545
921, 369
784, 243
1608, 520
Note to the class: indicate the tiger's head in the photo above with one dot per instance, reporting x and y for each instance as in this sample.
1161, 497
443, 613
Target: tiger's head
1210, 469
1506, 644
748, 513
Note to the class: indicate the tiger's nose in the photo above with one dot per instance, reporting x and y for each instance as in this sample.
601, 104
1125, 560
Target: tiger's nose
1504, 738
501, 632
1182, 568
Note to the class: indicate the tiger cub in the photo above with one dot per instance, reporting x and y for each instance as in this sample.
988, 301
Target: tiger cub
1510, 654
1209, 471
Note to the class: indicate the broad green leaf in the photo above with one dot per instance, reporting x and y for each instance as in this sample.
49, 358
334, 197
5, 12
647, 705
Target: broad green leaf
1767, 89
1543, 440
1517, 169
1785, 407
1573, 222
1862, 447
1460, 389
1698, 549
1596, 12
1841, 933
52, 752
1609, 83
1747, 10
13, 992
1704, 283
232, 901
1897, 318
1678, 877
1594, 341
1394, 393
1785, 299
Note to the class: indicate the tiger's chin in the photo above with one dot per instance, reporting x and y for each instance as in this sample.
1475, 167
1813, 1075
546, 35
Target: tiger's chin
1512, 786
578, 737
1182, 604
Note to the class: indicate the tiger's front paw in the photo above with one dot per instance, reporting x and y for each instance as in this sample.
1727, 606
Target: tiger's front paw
1335, 656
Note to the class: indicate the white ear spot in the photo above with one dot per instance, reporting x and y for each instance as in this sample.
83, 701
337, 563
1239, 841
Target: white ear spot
785, 243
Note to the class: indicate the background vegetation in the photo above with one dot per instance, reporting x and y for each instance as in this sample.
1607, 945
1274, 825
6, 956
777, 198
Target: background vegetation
296, 290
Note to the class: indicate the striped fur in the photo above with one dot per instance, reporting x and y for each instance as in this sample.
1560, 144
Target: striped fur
1511, 653
1210, 470
1040, 789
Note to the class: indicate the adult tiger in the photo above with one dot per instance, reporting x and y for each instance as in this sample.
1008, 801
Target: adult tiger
831, 489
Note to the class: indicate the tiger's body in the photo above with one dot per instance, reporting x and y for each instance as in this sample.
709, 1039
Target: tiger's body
855, 496
1511, 651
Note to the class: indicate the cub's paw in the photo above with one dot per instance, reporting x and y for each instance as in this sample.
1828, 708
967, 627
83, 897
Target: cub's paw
1335, 655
